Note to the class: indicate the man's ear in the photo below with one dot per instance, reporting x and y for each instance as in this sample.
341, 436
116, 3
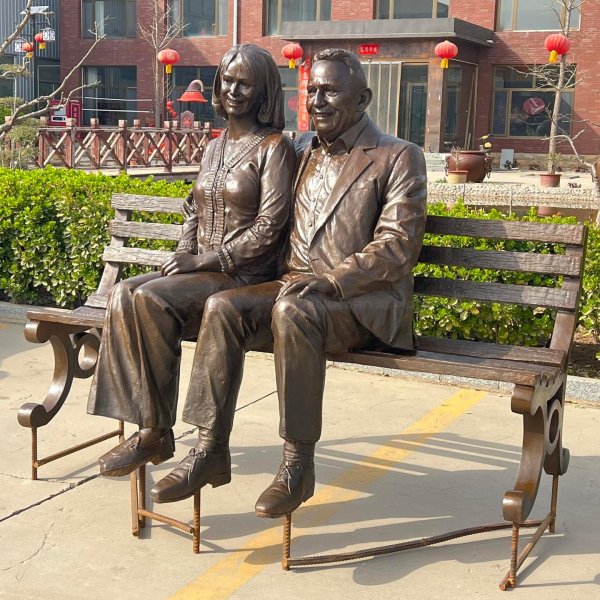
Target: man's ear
365, 99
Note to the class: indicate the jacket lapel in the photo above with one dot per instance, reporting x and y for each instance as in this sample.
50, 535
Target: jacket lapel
357, 162
301, 165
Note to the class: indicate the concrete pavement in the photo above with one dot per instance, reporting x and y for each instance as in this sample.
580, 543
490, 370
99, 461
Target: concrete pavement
399, 460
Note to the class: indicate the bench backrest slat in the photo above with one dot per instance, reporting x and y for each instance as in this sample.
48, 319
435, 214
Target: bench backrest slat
147, 203
137, 256
527, 262
497, 292
507, 230
149, 231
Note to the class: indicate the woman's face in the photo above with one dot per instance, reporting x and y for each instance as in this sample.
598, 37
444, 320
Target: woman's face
239, 95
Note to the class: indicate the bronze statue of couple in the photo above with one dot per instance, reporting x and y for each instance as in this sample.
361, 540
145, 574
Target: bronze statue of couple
305, 251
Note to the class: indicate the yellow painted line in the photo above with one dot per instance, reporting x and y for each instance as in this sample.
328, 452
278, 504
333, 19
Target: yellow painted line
229, 574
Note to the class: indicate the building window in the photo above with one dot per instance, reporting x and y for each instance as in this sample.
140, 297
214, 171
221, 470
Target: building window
523, 102
113, 18
114, 98
7, 85
409, 9
289, 83
200, 17
203, 111
533, 15
279, 11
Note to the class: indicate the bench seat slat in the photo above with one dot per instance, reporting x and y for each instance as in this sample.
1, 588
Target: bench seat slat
497, 292
150, 231
463, 366
542, 356
138, 256
527, 262
147, 203
506, 230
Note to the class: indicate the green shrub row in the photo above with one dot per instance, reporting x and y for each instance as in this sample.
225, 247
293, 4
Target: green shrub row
53, 228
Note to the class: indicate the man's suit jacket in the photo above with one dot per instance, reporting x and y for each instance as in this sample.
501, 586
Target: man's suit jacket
369, 233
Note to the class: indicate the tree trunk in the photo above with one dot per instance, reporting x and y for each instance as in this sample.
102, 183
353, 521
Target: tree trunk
556, 115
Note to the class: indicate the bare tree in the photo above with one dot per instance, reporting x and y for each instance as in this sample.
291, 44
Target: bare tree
41, 105
158, 29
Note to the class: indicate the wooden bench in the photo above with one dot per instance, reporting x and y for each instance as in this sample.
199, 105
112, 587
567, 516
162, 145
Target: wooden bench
538, 373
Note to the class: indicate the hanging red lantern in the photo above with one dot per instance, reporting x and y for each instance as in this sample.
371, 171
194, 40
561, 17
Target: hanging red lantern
557, 44
39, 38
446, 50
28, 48
293, 52
168, 58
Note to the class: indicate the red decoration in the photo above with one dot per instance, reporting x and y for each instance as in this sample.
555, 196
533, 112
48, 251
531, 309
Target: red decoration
28, 48
194, 92
557, 44
39, 38
446, 50
169, 105
368, 49
168, 58
534, 106
293, 52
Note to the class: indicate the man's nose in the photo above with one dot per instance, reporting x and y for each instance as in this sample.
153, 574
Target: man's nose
319, 98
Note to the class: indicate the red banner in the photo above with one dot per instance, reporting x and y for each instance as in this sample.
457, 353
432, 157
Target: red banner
303, 118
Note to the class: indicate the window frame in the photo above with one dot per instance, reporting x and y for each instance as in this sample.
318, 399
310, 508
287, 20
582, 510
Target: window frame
277, 30
85, 31
217, 23
391, 3
515, 8
535, 87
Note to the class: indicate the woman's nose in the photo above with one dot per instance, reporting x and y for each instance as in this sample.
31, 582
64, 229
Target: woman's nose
235, 88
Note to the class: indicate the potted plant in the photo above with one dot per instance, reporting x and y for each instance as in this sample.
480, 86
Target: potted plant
454, 162
551, 178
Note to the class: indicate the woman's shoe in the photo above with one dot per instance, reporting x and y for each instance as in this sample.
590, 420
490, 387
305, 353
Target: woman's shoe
135, 452
197, 469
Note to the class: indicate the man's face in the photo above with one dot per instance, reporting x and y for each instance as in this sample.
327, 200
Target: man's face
333, 99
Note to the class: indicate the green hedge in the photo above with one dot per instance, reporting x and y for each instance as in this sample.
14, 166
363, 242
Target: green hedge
53, 227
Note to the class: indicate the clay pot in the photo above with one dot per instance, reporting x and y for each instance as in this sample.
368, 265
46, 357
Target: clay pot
550, 179
457, 176
477, 163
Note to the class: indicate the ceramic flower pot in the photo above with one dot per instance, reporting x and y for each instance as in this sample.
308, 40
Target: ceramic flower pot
476, 162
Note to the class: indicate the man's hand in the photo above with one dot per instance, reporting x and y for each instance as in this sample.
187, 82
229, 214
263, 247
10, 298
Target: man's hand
182, 262
305, 284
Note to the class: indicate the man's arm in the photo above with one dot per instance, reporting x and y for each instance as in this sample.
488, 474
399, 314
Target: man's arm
398, 234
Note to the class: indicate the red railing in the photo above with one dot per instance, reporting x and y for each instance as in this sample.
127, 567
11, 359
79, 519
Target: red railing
124, 148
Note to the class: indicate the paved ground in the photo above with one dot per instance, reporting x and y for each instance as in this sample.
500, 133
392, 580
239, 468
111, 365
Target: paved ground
399, 460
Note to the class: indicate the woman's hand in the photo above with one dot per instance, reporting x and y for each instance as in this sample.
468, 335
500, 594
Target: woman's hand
306, 284
182, 262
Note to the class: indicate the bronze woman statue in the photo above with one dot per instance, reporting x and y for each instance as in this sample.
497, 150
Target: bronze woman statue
236, 221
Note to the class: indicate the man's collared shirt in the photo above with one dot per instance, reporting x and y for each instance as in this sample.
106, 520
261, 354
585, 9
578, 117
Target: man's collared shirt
316, 183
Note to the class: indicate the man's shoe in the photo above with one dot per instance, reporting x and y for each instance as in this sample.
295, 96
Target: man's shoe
197, 469
293, 484
134, 452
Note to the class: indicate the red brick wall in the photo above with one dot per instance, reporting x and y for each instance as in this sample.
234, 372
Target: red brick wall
352, 10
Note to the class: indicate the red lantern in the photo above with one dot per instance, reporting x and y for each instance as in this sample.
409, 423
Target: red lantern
446, 50
557, 44
293, 52
168, 58
28, 49
39, 38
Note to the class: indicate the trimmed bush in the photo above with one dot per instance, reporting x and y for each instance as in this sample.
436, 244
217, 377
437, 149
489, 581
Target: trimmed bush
53, 228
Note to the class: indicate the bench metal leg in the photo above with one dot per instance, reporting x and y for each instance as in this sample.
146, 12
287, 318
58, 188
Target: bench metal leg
139, 513
38, 462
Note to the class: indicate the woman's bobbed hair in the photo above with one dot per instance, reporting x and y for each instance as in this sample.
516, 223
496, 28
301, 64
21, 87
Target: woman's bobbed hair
264, 71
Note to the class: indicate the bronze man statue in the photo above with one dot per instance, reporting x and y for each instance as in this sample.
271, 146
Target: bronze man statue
233, 234
359, 217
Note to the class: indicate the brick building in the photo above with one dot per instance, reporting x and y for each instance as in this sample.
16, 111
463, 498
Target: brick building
480, 93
